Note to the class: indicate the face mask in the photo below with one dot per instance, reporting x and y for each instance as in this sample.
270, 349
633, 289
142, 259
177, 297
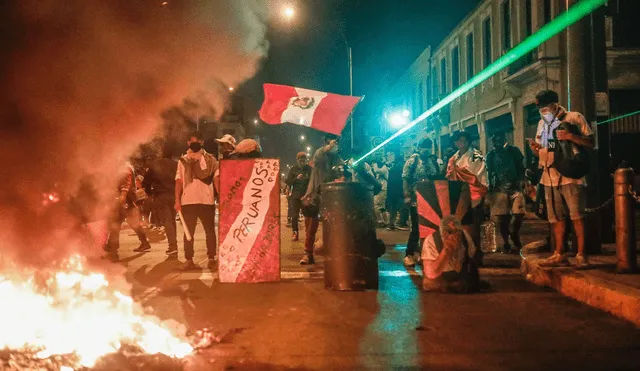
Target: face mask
195, 146
334, 150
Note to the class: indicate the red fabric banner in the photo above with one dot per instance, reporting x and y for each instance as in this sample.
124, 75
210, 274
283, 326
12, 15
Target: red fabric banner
249, 227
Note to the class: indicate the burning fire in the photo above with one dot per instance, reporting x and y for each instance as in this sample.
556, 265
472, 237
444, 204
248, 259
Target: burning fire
72, 312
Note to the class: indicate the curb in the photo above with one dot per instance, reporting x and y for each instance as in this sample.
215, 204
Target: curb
618, 299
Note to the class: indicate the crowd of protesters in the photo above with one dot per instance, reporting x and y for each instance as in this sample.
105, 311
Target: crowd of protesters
499, 187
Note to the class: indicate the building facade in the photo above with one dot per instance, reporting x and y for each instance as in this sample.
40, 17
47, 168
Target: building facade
505, 101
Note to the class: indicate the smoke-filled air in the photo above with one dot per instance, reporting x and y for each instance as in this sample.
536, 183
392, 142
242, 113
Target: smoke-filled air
84, 83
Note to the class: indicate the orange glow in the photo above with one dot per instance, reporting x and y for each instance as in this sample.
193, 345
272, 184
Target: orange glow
73, 311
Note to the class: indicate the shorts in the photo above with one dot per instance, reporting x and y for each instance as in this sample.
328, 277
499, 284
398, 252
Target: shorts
571, 198
506, 203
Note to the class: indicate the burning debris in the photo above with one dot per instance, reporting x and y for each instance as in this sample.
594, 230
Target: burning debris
73, 318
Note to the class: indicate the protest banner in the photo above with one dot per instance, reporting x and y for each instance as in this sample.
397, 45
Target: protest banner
249, 225
440, 198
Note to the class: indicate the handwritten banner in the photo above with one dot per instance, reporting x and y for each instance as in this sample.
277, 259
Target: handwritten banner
249, 226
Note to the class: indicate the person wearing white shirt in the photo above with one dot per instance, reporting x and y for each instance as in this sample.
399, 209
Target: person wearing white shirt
564, 196
195, 197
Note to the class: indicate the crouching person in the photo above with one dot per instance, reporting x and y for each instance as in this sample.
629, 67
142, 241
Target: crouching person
447, 259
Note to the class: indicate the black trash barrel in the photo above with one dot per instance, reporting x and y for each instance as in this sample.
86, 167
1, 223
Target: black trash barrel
349, 234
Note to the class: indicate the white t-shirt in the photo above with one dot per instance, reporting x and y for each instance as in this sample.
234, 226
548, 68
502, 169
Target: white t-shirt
197, 192
550, 176
430, 252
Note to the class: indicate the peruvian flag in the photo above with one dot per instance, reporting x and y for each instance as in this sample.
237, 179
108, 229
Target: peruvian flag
315, 109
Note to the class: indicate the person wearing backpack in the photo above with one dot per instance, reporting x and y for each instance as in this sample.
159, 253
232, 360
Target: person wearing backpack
422, 165
505, 165
560, 144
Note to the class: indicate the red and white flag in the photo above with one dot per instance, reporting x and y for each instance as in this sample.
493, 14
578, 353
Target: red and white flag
319, 110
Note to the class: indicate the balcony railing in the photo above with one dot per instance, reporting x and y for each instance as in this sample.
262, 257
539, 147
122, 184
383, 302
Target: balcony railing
522, 62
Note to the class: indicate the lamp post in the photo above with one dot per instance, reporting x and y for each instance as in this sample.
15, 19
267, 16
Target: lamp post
288, 13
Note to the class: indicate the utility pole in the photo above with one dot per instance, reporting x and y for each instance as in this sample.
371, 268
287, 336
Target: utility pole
581, 94
603, 133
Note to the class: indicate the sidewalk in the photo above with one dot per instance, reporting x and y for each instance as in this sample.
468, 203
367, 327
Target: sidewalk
599, 287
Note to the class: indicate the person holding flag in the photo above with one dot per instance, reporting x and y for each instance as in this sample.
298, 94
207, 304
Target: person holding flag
468, 165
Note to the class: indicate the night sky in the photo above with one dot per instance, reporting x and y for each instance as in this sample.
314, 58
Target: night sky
386, 37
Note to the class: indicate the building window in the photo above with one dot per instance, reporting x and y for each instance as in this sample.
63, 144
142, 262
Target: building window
443, 76
547, 11
470, 58
506, 26
486, 32
434, 83
455, 68
528, 25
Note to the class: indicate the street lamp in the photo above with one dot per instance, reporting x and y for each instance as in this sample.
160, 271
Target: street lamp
302, 137
288, 12
230, 88
255, 121
308, 149
398, 119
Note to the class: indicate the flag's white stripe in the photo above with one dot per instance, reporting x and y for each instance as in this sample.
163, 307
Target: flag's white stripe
299, 115
233, 254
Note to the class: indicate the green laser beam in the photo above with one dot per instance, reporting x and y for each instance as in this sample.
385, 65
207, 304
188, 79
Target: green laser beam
564, 20
618, 117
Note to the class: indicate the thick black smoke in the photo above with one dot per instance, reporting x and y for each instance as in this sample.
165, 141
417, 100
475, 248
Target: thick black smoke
83, 83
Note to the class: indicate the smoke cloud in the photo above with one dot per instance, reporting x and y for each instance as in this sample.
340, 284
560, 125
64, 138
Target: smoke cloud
84, 83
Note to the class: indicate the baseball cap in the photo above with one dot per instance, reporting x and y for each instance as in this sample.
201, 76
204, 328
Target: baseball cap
247, 146
227, 139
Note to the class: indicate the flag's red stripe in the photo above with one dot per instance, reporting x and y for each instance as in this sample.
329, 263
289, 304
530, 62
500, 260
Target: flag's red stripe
231, 203
426, 211
332, 113
276, 100
266, 250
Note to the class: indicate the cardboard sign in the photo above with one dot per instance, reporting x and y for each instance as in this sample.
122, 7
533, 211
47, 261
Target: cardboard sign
440, 198
249, 227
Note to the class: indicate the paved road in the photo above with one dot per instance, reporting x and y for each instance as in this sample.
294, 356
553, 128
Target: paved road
297, 324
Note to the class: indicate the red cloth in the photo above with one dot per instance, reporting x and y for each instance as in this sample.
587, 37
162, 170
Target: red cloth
319, 110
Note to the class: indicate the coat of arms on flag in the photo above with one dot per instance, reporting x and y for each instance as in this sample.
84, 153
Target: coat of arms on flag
322, 111
440, 198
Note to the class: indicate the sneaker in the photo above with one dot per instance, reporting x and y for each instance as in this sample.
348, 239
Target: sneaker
294, 237
417, 258
189, 265
555, 260
402, 228
582, 262
307, 260
391, 228
172, 251
409, 261
145, 246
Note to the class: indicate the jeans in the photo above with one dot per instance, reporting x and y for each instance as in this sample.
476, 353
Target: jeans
414, 236
207, 215
311, 228
132, 215
163, 204
295, 205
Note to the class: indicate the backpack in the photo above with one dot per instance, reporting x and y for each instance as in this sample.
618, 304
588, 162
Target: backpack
571, 160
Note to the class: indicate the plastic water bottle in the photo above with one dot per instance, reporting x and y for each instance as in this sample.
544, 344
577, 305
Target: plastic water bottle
488, 237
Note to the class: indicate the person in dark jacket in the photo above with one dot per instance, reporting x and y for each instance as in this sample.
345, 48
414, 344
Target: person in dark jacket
160, 185
395, 193
298, 180
324, 161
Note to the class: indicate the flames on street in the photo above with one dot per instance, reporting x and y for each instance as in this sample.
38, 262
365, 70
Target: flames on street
75, 316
